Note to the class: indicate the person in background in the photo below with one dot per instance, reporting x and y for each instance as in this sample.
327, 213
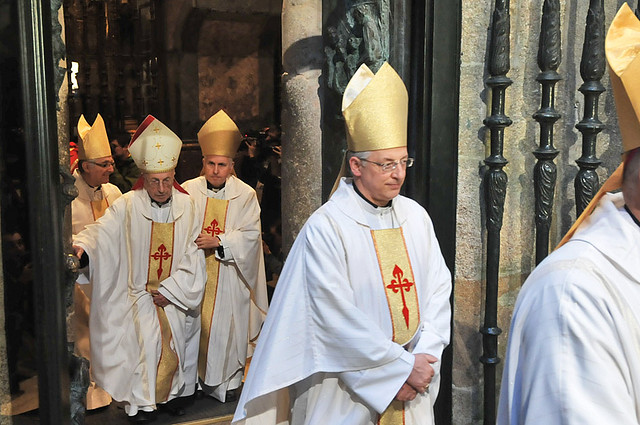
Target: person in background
93, 167
125, 173
235, 299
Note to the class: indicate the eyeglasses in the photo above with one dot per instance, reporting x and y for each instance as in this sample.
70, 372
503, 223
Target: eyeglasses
388, 167
105, 164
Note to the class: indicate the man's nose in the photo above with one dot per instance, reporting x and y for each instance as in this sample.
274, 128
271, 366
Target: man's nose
400, 172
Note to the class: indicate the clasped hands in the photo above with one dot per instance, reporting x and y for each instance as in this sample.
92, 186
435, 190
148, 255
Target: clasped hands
206, 241
419, 378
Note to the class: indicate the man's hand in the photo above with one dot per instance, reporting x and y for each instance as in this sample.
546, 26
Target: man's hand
159, 299
406, 393
422, 372
78, 250
206, 241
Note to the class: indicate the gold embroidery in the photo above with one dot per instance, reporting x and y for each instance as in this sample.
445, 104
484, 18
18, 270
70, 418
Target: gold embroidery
394, 415
215, 217
402, 298
160, 260
98, 208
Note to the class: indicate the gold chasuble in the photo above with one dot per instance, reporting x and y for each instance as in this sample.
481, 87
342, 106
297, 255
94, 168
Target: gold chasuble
215, 216
400, 289
160, 259
98, 208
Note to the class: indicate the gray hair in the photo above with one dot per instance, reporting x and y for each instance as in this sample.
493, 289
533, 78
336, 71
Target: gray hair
359, 155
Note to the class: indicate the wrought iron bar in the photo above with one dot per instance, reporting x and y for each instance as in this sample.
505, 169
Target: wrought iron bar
592, 68
45, 217
545, 172
495, 189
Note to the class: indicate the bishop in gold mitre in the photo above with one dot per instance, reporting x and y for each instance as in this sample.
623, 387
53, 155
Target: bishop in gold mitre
235, 299
91, 170
360, 316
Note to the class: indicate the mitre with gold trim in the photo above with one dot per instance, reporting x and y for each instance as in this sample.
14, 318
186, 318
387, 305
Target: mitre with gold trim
154, 147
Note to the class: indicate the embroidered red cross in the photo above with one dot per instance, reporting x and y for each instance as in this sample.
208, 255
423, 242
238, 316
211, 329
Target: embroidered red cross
213, 229
161, 254
398, 284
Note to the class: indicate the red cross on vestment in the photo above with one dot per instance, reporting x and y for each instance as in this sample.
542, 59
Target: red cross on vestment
398, 284
161, 254
213, 229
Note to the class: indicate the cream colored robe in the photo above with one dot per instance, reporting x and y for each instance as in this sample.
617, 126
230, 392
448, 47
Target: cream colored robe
125, 333
325, 354
241, 301
573, 355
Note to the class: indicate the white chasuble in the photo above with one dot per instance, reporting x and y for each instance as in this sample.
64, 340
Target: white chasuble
130, 253
333, 349
235, 302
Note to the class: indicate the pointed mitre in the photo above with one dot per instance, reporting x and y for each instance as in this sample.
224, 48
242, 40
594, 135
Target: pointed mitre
622, 47
94, 142
375, 110
154, 147
219, 136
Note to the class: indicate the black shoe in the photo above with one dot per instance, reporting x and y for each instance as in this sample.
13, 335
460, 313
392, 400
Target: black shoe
143, 417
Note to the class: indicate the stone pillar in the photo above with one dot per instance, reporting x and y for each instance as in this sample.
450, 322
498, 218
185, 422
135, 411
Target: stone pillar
301, 116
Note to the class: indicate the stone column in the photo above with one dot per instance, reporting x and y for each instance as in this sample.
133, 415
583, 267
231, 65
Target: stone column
302, 136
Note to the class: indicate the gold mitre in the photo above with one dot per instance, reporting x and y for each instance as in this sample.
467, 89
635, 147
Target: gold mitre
94, 142
154, 147
219, 136
375, 109
622, 47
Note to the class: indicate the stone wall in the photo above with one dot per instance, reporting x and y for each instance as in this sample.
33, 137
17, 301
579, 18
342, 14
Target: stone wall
221, 55
518, 233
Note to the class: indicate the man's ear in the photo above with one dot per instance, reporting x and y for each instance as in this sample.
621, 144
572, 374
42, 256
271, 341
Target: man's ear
354, 165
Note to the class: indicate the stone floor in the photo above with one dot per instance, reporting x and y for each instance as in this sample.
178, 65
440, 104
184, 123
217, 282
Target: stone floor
204, 411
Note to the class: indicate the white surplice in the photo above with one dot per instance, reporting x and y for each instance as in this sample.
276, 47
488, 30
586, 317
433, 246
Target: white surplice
573, 355
325, 354
81, 216
125, 331
241, 300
